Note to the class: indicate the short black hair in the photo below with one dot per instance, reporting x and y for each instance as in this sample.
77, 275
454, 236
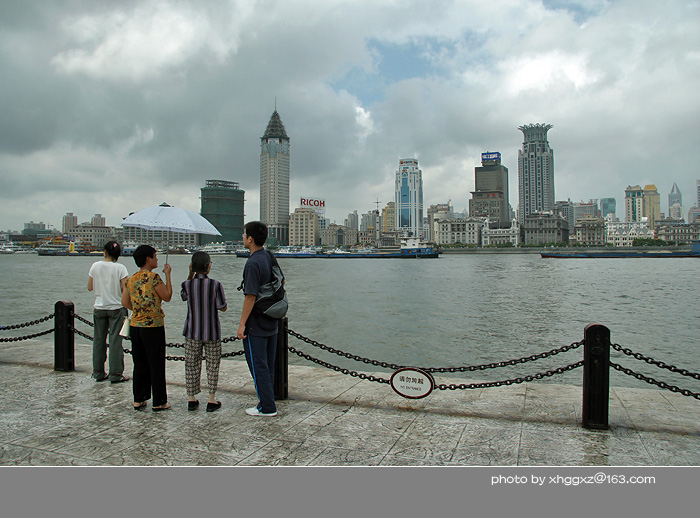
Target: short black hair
113, 249
258, 231
142, 253
200, 262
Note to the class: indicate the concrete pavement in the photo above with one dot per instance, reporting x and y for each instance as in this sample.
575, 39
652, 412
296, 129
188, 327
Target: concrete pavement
53, 418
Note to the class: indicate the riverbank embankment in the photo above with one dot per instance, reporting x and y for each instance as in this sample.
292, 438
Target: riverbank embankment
538, 250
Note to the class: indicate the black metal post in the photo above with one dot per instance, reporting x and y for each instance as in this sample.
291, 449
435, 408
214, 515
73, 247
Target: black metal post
281, 386
596, 376
63, 336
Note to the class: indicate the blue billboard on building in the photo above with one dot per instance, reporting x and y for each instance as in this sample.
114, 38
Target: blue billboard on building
490, 157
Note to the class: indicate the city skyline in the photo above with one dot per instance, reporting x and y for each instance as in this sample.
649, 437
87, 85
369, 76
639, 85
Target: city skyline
109, 108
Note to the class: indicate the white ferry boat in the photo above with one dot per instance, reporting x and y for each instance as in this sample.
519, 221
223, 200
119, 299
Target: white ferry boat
220, 248
410, 248
13, 248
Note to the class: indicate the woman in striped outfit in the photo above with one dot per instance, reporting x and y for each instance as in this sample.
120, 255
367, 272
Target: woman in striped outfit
205, 298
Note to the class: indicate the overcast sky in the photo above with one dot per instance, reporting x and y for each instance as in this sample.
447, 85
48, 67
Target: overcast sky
108, 107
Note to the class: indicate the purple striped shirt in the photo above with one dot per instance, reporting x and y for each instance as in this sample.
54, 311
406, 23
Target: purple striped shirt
204, 298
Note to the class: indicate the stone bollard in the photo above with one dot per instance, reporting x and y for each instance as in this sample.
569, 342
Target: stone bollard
281, 385
596, 376
64, 337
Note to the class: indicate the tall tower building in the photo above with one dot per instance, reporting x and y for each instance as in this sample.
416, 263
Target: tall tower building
634, 203
408, 198
535, 172
222, 206
274, 180
490, 196
389, 217
70, 220
607, 206
652, 205
675, 196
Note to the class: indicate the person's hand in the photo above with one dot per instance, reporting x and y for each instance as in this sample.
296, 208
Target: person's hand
167, 269
241, 332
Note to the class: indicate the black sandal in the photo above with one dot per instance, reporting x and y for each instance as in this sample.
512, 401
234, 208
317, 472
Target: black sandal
192, 405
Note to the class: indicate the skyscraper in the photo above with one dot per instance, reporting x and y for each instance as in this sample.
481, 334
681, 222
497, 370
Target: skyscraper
652, 205
274, 179
490, 196
634, 203
222, 205
675, 196
607, 206
70, 220
535, 171
408, 196
675, 203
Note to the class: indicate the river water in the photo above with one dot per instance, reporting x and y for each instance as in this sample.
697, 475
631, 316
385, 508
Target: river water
455, 311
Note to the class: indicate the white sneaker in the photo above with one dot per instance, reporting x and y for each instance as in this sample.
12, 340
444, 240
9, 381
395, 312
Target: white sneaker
254, 411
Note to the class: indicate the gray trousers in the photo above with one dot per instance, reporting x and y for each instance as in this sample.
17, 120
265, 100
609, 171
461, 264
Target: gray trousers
108, 322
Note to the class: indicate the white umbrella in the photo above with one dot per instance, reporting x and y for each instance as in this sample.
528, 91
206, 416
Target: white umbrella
173, 219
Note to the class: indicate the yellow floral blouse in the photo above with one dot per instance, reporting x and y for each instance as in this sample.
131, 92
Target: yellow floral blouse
144, 299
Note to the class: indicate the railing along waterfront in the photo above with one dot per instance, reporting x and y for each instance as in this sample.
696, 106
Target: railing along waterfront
596, 362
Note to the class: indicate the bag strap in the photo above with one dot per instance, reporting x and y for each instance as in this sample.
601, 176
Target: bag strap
273, 262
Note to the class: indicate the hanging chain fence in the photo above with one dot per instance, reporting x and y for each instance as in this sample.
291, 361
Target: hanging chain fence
27, 324
432, 370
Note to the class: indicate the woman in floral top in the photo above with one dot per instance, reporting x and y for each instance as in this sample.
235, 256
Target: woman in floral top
143, 294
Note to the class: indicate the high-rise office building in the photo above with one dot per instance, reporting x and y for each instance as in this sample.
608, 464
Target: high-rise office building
408, 197
98, 220
675, 196
607, 206
304, 228
389, 217
223, 206
490, 196
353, 220
70, 220
634, 203
274, 180
675, 203
535, 172
583, 210
567, 211
652, 205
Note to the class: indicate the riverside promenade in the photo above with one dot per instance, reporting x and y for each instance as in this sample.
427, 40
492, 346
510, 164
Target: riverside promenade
52, 418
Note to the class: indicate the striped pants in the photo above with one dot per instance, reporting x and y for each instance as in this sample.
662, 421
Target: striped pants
193, 364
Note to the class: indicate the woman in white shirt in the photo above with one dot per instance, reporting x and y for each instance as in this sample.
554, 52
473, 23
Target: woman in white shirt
108, 278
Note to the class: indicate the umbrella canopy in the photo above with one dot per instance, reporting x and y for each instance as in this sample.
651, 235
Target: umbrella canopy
173, 219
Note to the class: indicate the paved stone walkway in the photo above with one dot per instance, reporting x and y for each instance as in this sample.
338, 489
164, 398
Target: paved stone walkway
53, 418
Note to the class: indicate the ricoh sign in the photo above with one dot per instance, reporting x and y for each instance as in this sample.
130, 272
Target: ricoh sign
313, 203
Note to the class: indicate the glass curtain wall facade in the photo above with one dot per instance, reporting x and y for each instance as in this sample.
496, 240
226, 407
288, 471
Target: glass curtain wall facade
408, 198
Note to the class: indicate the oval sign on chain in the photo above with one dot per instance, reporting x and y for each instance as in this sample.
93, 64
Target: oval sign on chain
412, 383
